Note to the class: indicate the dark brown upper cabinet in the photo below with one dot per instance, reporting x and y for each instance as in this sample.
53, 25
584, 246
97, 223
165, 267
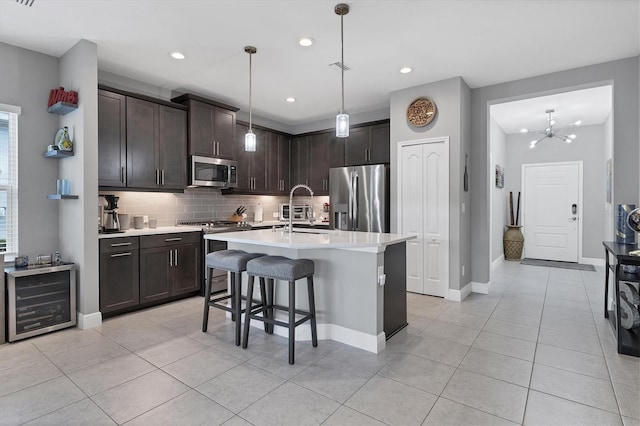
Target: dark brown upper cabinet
212, 126
311, 158
278, 152
142, 142
252, 166
368, 144
156, 145
112, 139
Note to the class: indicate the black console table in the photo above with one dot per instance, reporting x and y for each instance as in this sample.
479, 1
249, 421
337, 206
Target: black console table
617, 255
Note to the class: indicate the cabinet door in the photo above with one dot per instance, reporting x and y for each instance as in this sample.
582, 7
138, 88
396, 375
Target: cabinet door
119, 280
277, 163
172, 147
155, 280
185, 272
112, 139
300, 160
243, 158
200, 129
357, 146
142, 134
380, 144
319, 163
224, 131
258, 161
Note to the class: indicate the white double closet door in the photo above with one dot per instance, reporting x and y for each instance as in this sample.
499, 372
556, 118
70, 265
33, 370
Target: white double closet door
424, 212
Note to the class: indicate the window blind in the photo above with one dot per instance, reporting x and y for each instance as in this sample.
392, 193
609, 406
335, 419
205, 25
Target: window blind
9, 180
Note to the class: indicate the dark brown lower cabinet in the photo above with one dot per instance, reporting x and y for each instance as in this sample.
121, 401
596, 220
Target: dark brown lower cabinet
169, 265
119, 274
150, 269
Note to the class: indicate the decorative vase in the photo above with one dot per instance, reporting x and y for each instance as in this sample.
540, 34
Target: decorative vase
513, 242
63, 141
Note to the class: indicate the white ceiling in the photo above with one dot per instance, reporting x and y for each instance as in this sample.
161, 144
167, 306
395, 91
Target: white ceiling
484, 42
591, 106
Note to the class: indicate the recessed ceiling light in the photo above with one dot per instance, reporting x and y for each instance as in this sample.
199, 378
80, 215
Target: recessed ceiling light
291, 99
405, 70
305, 41
524, 130
176, 55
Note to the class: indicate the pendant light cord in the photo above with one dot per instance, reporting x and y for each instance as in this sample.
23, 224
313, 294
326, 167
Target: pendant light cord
342, 57
250, 55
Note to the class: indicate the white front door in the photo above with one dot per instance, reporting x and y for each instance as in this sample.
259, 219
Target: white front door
424, 212
552, 211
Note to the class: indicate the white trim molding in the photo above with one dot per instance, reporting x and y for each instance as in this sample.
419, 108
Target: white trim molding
499, 261
358, 339
459, 295
89, 320
592, 261
482, 288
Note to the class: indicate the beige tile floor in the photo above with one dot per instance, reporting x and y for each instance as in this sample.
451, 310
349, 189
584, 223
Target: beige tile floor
534, 351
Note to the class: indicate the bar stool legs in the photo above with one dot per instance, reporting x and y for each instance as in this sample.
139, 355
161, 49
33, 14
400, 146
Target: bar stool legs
312, 309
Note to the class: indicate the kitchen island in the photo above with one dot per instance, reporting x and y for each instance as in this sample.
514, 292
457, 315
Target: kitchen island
359, 280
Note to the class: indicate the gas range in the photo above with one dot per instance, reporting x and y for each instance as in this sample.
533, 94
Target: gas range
214, 226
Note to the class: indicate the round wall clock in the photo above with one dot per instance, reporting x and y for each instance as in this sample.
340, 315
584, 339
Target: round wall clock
420, 112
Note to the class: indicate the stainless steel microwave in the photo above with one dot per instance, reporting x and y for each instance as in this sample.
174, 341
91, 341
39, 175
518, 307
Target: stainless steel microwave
216, 172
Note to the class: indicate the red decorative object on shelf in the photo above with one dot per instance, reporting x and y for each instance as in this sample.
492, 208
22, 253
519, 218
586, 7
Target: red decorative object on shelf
60, 95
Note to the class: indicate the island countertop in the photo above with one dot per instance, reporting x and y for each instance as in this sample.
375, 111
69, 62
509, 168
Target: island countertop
309, 238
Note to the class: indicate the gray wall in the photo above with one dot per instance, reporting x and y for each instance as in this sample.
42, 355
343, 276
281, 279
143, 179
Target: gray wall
499, 196
624, 75
27, 78
588, 148
452, 100
77, 223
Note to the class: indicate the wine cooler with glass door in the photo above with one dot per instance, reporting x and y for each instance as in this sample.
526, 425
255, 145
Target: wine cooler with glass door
40, 300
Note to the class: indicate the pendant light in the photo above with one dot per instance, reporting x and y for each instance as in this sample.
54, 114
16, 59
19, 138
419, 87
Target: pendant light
342, 119
250, 137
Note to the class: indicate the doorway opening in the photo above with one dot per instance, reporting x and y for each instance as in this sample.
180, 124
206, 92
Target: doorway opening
591, 144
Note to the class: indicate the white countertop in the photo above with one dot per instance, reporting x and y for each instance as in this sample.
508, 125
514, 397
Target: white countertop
151, 231
308, 238
271, 223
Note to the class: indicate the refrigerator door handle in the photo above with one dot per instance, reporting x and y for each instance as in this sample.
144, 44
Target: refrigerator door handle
355, 202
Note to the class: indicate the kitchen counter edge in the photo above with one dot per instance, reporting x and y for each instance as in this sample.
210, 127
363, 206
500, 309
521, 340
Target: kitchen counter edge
151, 231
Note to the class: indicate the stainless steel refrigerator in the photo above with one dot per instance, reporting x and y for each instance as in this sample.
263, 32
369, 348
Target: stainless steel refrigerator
359, 198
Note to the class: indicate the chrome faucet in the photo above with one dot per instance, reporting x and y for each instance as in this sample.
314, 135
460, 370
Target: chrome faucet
311, 219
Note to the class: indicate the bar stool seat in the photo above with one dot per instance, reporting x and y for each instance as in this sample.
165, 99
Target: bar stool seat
273, 268
234, 261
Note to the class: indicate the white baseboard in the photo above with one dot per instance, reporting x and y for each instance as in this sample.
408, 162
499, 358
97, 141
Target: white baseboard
499, 261
89, 320
459, 295
358, 339
482, 288
592, 261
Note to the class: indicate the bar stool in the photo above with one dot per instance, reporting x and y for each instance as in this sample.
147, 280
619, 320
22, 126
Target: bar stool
281, 268
234, 261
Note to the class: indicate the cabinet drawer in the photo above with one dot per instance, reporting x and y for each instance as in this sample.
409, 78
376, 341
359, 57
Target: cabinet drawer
160, 240
110, 245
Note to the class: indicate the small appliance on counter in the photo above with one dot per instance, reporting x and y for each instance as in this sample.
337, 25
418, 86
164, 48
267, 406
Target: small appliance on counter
111, 223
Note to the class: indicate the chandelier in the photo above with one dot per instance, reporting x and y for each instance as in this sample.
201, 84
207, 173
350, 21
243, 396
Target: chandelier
551, 132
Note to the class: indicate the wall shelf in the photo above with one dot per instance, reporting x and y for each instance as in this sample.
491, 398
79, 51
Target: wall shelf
62, 197
62, 108
58, 153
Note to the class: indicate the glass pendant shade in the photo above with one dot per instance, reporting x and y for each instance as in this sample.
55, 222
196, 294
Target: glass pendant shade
342, 125
250, 141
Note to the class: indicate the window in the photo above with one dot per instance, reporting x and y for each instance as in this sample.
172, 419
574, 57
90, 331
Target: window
9, 179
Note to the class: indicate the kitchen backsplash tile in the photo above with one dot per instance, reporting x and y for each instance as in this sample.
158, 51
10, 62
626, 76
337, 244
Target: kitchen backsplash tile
203, 203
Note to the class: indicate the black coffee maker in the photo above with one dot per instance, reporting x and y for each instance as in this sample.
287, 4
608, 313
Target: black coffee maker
111, 223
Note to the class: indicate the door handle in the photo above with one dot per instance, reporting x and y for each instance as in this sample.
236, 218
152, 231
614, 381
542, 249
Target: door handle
573, 218
170, 257
157, 176
175, 258
162, 176
173, 239
122, 174
120, 244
